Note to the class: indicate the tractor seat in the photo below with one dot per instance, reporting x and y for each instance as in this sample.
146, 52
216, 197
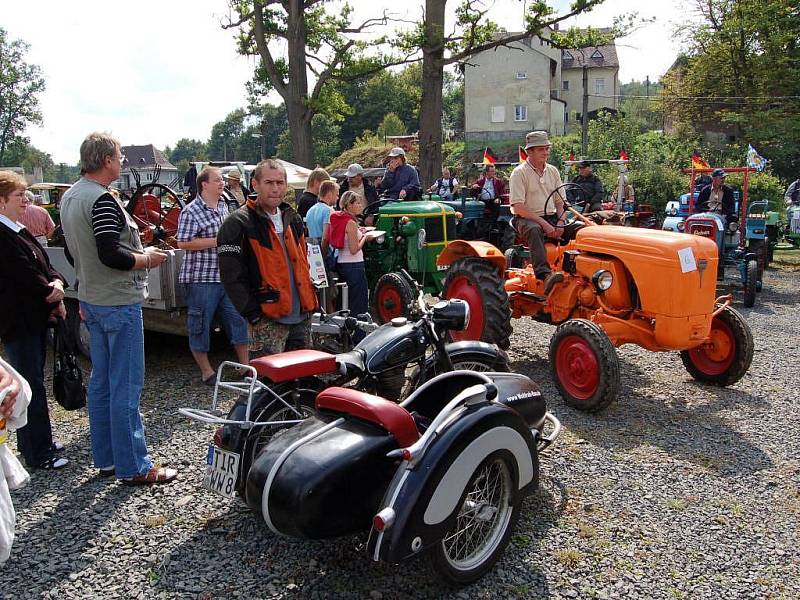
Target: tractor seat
294, 364
387, 415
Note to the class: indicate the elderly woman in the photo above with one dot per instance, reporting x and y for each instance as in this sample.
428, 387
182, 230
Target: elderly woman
31, 293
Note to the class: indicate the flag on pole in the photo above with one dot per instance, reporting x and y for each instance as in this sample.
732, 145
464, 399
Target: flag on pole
523, 156
489, 157
698, 162
571, 157
623, 155
755, 160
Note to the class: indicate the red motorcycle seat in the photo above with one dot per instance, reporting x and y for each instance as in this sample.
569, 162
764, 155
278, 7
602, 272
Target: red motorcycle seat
390, 416
294, 364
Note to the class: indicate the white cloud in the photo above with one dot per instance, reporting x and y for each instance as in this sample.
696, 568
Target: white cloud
157, 71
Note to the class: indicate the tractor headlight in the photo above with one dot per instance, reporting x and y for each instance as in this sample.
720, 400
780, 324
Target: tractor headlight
681, 226
602, 280
673, 212
733, 226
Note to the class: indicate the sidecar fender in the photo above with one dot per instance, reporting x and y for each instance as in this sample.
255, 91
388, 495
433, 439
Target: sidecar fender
423, 500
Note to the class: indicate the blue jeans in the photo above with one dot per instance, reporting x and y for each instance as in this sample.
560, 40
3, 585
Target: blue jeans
35, 440
203, 301
355, 276
116, 343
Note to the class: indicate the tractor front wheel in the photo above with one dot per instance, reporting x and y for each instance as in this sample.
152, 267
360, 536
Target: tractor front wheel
584, 365
481, 286
751, 283
725, 357
392, 297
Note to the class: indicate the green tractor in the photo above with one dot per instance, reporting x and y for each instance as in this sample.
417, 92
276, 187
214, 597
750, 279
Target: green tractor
416, 233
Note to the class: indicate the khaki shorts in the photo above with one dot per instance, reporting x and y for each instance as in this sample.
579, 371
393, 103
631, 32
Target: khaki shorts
271, 337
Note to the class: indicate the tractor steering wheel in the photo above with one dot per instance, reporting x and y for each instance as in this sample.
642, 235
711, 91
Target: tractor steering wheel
362, 216
567, 185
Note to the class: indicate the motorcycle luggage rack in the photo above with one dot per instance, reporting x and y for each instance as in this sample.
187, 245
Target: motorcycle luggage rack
249, 385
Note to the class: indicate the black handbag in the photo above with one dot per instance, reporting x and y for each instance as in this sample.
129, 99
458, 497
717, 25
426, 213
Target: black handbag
68, 387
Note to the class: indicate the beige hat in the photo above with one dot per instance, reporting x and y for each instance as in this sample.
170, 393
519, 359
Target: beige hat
354, 170
536, 138
234, 175
397, 152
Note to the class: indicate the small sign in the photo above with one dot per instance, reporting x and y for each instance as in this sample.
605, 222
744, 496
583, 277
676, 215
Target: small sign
316, 266
688, 263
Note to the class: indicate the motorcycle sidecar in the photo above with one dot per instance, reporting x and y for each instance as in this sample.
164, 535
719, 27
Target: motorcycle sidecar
464, 446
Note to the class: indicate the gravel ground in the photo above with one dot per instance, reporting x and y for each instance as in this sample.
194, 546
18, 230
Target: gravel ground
678, 490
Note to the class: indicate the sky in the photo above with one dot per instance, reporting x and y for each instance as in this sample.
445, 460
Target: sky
153, 72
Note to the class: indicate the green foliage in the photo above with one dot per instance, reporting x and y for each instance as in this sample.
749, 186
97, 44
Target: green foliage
326, 139
453, 103
224, 141
184, 152
20, 84
742, 70
391, 125
383, 93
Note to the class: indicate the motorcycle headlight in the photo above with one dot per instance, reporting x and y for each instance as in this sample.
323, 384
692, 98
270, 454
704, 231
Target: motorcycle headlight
451, 314
681, 226
602, 280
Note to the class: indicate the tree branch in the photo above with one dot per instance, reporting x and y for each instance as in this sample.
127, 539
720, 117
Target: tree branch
263, 49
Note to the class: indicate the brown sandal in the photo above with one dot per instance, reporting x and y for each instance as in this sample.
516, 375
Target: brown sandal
154, 476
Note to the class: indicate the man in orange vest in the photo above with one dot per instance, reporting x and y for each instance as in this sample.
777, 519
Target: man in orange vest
263, 265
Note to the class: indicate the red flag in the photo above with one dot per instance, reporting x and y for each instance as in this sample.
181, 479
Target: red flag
623, 155
489, 157
523, 156
571, 155
698, 162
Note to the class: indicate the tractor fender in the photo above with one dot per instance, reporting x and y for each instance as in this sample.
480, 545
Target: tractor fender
425, 499
462, 248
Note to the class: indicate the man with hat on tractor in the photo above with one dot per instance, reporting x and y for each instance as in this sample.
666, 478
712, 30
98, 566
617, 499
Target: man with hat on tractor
360, 185
592, 191
537, 205
401, 180
717, 197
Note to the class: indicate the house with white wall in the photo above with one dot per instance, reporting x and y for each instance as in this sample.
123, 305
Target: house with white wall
146, 160
511, 90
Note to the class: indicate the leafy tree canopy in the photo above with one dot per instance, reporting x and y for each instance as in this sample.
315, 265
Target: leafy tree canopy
20, 85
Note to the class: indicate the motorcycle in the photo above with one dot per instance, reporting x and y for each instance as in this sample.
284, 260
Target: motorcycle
444, 473
281, 388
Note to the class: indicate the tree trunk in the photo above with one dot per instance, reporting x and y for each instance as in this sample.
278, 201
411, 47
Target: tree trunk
430, 117
297, 101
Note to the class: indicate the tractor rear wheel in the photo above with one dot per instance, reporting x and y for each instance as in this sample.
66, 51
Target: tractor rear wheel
584, 365
480, 285
726, 356
392, 297
751, 283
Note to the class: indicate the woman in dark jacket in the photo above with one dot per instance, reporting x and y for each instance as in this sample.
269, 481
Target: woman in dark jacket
31, 293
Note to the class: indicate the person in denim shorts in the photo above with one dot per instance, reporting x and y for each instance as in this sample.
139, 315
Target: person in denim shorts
198, 226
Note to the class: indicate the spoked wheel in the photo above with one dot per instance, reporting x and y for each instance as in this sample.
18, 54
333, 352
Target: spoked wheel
462, 361
156, 209
392, 297
584, 365
750, 284
485, 520
299, 404
480, 285
726, 356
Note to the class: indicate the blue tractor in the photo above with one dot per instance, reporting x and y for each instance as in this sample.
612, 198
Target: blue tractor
741, 245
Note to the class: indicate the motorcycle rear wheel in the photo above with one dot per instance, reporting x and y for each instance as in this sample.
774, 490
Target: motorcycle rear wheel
486, 518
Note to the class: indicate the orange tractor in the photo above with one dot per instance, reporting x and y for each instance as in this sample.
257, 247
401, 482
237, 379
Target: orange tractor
622, 285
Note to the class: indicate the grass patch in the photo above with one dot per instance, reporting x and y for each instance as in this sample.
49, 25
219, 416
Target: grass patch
569, 557
586, 531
